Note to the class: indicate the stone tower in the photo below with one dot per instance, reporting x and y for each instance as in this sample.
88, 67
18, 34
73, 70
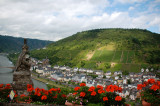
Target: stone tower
22, 74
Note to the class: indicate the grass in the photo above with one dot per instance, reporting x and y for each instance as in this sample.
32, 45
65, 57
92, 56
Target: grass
117, 67
117, 56
124, 57
130, 56
96, 55
106, 56
90, 65
131, 67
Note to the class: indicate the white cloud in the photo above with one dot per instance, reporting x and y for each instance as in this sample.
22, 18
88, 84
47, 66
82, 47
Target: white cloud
129, 1
131, 8
53, 20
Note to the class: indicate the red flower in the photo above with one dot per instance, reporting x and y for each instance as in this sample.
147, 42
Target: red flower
30, 89
151, 81
52, 89
46, 92
63, 95
91, 89
158, 83
118, 98
44, 97
105, 98
1, 85
8, 96
82, 94
8, 86
38, 94
99, 87
100, 91
155, 87
145, 83
115, 87
23, 95
93, 93
75, 93
29, 86
58, 90
110, 88
119, 89
43, 90
76, 88
37, 90
82, 84
15, 95
139, 86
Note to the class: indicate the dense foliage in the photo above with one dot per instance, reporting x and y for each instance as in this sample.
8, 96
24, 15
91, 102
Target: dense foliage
97, 49
10, 44
150, 91
82, 95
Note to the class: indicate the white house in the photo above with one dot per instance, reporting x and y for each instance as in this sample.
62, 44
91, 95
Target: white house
68, 69
89, 71
116, 77
147, 70
39, 70
142, 70
62, 68
56, 67
116, 73
108, 73
108, 76
124, 81
75, 69
99, 72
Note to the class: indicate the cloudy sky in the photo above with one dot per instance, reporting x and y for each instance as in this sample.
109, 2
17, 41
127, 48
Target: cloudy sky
57, 19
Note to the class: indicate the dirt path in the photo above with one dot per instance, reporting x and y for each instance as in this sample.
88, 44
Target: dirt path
113, 55
121, 59
89, 55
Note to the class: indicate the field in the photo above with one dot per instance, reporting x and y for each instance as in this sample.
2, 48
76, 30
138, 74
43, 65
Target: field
113, 56
124, 60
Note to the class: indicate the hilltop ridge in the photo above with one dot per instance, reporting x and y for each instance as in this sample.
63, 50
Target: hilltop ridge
106, 49
9, 44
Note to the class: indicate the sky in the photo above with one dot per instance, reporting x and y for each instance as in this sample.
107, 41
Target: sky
56, 19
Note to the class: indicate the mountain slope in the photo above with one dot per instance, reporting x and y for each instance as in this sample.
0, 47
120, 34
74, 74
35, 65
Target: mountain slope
107, 49
10, 44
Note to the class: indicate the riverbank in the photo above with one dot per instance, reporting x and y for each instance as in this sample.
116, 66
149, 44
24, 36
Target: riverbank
48, 82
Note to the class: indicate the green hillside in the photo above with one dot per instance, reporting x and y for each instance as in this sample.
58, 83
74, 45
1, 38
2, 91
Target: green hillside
106, 49
10, 44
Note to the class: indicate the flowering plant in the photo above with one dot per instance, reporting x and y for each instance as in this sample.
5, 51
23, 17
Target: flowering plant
111, 97
36, 96
106, 96
52, 96
150, 91
4, 92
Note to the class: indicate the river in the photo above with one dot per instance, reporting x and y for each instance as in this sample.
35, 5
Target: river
6, 74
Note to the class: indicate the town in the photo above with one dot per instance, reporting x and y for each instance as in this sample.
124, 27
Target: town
73, 76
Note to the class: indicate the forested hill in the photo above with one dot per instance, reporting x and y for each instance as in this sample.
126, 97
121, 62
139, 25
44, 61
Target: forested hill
10, 44
106, 49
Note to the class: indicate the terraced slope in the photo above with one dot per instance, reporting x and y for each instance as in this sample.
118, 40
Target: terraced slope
106, 49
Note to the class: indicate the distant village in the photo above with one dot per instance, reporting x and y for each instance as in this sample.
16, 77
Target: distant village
91, 77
